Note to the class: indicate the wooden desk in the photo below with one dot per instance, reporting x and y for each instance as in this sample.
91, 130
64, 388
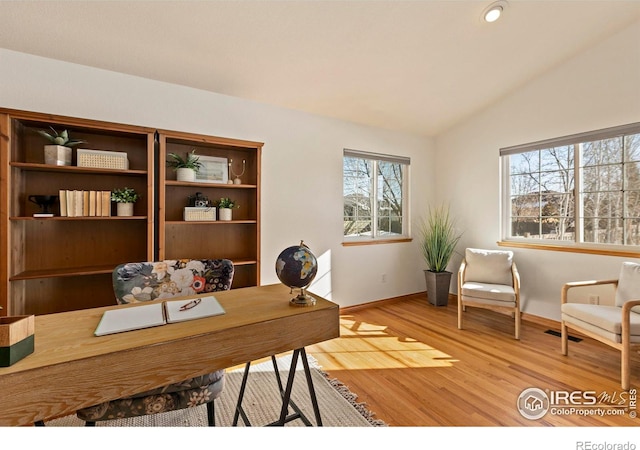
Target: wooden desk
71, 368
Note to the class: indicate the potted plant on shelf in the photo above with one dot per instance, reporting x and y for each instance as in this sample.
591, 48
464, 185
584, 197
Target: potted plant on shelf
225, 208
438, 240
186, 168
58, 153
124, 199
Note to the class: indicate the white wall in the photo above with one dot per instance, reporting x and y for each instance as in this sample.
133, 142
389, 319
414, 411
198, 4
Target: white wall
301, 171
302, 160
597, 89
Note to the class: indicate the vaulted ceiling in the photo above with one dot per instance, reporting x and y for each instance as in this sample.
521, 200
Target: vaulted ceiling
414, 66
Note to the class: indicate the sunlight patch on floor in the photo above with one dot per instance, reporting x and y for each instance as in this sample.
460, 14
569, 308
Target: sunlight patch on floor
367, 346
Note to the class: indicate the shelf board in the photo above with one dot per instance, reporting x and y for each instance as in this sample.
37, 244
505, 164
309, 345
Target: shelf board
244, 262
80, 218
210, 185
88, 270
75, 169
54, 273
208, 222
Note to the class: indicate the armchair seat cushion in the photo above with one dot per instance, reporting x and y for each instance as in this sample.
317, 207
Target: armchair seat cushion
603, 320
498, 294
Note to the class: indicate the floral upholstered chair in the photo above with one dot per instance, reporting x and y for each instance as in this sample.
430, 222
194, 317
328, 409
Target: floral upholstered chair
140, 282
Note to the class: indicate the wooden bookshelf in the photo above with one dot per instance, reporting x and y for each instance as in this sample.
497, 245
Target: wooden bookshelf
238, 239
61, 263
64, 263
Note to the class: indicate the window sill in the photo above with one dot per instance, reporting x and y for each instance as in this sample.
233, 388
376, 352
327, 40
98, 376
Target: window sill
375, 242
632, 253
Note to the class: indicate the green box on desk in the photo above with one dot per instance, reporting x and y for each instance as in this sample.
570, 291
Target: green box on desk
16, 338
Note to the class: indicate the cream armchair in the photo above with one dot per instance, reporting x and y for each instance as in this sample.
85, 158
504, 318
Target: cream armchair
489, 279
616, 325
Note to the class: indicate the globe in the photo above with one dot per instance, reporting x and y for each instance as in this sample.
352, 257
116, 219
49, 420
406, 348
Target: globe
296, 267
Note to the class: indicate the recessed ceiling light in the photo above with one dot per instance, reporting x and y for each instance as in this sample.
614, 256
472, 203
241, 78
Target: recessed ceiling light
494, 11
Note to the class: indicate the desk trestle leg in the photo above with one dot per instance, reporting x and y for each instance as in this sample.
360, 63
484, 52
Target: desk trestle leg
285, 393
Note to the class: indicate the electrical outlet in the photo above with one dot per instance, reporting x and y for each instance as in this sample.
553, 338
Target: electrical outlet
383, 278
594, 300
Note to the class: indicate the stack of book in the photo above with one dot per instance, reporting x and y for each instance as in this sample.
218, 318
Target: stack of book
75, 203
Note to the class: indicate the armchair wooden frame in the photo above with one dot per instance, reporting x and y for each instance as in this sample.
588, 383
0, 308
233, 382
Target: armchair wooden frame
625, 346
514, 311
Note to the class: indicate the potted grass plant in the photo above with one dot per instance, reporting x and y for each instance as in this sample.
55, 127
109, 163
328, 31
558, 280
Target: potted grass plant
438, 240
186, 168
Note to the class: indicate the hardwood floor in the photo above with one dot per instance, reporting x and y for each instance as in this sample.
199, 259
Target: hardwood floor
411, 365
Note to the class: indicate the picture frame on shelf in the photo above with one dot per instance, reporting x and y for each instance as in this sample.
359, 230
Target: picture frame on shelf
214, 170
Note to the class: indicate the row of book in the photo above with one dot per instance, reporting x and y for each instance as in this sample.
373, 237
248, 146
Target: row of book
75, 203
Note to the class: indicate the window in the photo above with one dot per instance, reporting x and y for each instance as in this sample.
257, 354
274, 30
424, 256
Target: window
581, 189
375, 196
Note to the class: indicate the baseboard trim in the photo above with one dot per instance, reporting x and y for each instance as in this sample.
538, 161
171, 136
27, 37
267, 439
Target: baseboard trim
378, 303
453, 301
540, 320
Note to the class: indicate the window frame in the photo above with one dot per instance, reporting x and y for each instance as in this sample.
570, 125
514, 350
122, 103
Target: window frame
574, 245
376, 158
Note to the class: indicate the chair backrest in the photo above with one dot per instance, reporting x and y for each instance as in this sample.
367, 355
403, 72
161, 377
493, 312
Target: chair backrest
144, 281
628, 285
489, 266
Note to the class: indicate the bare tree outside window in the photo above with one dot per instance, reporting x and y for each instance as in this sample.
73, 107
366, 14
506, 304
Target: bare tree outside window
542, 200
357, 189
587, 191
632, 189
602, 191
390, 198
374, 193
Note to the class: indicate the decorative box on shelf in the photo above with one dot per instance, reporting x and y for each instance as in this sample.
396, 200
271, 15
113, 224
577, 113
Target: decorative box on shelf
194, 214
16, 338
100, 159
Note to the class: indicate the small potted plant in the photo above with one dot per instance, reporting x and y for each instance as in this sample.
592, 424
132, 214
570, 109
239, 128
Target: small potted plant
186, 168
58, 153
124, 199
225, 207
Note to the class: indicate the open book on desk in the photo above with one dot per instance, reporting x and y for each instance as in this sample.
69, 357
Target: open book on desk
156, 314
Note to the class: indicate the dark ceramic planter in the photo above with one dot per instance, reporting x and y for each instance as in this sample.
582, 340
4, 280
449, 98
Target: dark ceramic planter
438, 287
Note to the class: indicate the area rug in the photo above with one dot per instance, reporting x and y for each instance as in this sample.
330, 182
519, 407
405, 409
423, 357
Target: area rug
338, 405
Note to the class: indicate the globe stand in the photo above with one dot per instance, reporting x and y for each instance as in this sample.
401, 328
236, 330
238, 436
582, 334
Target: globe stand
302, 299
